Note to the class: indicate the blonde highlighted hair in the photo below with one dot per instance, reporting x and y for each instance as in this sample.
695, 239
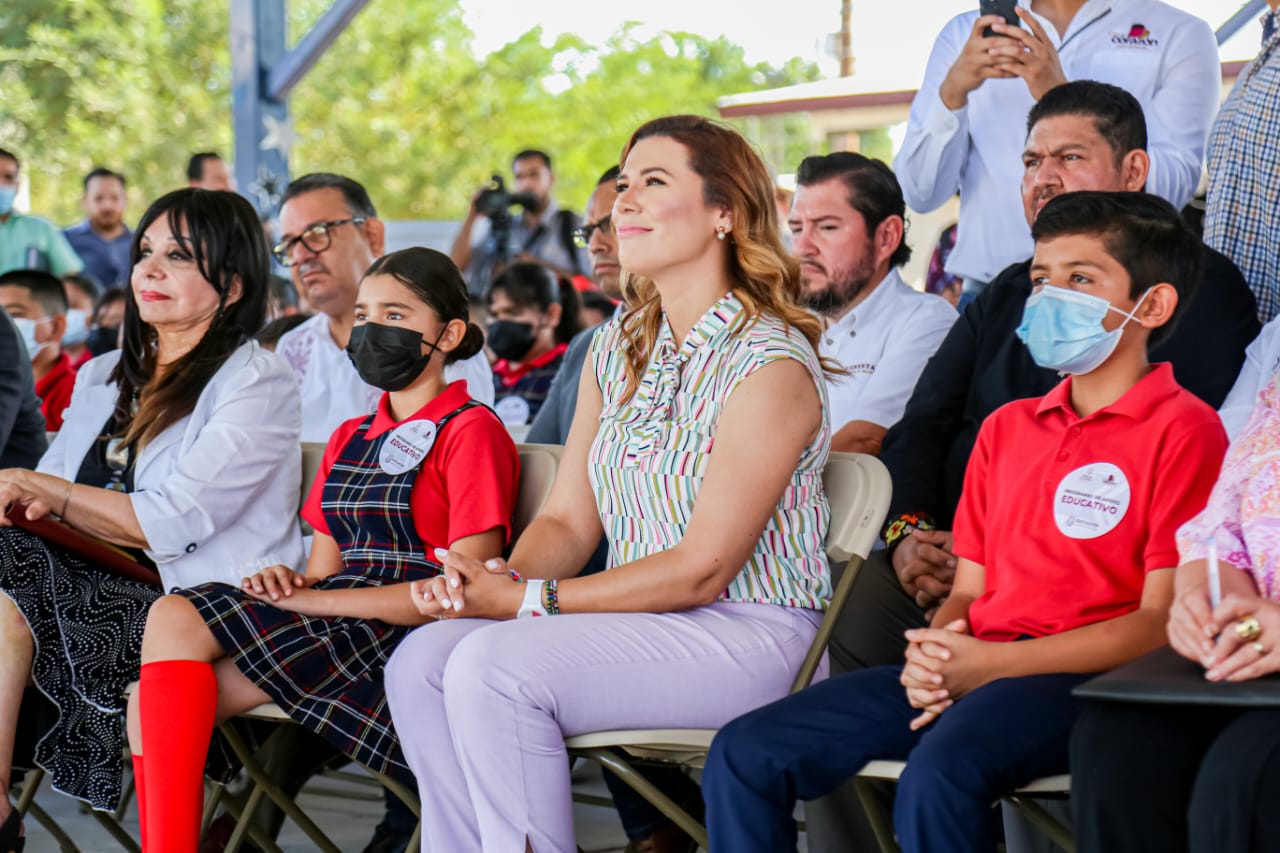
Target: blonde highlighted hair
765, 277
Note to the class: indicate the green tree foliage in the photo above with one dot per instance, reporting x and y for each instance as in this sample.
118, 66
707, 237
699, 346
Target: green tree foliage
399, 101
134, 85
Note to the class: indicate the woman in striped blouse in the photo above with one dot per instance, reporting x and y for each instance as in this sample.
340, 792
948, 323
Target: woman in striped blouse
700, 436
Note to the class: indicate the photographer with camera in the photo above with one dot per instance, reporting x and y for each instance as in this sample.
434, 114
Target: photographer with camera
541, 233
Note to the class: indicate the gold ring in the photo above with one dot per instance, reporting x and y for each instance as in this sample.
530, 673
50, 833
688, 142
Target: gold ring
1248, 629
1259, 648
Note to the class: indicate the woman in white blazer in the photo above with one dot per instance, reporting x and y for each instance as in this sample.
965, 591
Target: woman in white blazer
182, 447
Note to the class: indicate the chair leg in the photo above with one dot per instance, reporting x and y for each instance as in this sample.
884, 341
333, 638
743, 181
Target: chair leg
108, 822
1043, 821
27, 793
879, 809
269, 788
646, 789
65, 844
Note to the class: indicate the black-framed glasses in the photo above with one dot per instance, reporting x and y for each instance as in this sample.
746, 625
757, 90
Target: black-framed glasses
582, 236
316, 238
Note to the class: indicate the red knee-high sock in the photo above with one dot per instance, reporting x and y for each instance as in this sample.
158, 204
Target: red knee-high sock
179, 702
140, 796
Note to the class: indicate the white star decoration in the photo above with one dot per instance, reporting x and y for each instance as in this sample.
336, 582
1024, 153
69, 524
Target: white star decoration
280, 135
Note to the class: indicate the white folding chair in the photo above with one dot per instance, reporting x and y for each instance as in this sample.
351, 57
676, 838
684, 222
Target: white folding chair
538, 465
879, 807
858, 491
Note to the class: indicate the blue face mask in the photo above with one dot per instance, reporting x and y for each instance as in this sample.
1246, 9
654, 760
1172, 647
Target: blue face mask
27, 330
1063, 330
7, 195
77, 327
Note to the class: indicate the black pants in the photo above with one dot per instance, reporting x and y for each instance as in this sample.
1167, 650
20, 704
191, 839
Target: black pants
1172, 778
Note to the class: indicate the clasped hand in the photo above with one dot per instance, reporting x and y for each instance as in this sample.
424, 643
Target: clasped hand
280, 586
943, 664
1208, 636
485, 590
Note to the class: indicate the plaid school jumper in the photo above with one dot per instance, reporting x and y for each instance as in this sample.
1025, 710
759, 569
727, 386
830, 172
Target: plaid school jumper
326, 672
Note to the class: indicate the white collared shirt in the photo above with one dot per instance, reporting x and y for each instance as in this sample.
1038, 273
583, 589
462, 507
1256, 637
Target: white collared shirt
1261, 363
1166, 58
332, 390
884, 342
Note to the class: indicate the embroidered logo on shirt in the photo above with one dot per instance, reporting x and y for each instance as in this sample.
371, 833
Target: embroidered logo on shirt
1138, 36
865, 368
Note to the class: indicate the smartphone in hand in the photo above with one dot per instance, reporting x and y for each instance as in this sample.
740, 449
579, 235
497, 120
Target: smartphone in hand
1003, 8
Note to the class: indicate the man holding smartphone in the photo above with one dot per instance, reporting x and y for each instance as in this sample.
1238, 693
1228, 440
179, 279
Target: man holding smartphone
966, 129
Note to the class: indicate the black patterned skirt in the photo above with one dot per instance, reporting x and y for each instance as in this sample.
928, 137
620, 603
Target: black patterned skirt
326, 673
87, 627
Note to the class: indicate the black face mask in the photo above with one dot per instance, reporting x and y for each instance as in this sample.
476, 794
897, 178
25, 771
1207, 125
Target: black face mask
102, 339
510, 339
388, 357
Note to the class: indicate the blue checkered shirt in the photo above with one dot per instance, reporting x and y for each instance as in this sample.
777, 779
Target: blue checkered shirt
1244, 174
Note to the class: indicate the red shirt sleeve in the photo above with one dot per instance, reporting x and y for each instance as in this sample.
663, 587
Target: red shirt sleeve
969, 530
480, 470
1185, 479
56, 396
311, 511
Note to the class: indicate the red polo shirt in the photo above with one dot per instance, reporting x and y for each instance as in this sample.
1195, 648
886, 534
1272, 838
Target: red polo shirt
54, 390
1068, 514
467, 483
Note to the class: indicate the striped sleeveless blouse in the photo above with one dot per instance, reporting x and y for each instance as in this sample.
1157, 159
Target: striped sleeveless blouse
651, 452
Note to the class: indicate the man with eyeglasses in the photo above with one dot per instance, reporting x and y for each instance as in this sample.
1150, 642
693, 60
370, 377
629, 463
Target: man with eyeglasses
330, 234
551, 425
540, 234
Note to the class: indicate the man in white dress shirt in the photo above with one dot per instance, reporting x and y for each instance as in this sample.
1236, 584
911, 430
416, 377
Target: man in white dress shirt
966, 128
847, 230
329, 235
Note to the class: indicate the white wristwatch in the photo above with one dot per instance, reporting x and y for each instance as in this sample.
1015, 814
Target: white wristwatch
532, 604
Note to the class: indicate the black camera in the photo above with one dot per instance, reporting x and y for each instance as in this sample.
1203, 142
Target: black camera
495, 201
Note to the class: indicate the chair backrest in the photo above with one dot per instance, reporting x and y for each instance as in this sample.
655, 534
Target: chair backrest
858, 490
538, 466
312, 454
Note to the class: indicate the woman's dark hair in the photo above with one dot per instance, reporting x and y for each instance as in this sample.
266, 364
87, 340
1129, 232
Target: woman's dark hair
221, 231
434, 278
535, 285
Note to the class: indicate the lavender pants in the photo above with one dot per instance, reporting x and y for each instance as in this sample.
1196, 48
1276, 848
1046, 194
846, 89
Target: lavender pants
482, 707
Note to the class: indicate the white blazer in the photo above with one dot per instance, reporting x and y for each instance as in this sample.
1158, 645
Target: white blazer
217, 493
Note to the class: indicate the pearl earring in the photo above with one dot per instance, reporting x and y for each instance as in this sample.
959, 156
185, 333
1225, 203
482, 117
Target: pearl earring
720, 232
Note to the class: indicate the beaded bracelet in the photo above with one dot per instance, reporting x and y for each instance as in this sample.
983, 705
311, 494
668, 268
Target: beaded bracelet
550, 598
895, 530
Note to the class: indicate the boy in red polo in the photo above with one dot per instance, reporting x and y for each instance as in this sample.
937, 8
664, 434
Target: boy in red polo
38, 305
1065, 546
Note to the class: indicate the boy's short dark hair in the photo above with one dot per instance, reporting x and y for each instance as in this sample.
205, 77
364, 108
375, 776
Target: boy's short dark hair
44, 288
1116, 114
100, 172
6, 154
1143, 232
873, 190
83, 282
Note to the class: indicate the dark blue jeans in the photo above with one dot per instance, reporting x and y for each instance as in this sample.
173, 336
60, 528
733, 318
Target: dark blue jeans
1000, 736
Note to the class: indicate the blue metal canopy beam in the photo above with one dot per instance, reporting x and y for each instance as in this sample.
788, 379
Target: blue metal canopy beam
1247, 13
263, 74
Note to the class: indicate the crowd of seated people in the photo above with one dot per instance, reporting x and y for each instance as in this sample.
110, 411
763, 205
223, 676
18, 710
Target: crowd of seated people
1058, 508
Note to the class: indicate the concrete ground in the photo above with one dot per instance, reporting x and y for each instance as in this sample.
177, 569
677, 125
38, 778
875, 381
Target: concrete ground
344, 816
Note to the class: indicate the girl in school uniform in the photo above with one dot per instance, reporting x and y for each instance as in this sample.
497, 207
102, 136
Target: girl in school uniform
429, 468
